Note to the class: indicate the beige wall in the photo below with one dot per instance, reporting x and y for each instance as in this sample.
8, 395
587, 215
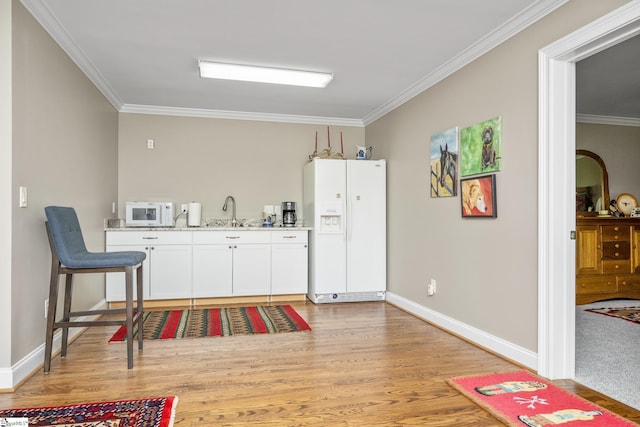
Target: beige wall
64, 152
204, 160
5, 181
486, 269
619, 148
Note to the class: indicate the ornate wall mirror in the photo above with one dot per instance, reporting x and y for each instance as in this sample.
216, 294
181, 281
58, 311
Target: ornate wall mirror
592, 183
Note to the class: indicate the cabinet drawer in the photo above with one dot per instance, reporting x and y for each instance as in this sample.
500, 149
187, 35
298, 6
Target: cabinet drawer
628, 283
612, 233
616, 267
148, 237
289, 236
227, 236
616, 250
589, 285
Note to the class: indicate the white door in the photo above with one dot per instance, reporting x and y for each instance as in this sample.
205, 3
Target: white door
170, 271
329, 240
212, 271
115, 282
252, 269
289, 269
366, 225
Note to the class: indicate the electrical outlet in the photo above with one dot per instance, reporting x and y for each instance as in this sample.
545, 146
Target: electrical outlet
23, 197
431, 287
46, 308
185, 208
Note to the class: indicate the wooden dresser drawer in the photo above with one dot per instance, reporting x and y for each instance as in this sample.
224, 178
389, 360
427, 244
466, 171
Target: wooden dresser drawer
612, 233
616, 250
616, 266
628, 283
588, 285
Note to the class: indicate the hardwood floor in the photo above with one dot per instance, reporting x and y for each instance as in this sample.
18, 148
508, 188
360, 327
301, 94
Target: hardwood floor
363, 364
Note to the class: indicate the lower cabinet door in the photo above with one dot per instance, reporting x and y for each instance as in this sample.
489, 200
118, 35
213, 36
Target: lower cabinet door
212, 271
289, 269
170, 272
115, 282
252, 269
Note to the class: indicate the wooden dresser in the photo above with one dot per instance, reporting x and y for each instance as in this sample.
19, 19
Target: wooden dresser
607, 259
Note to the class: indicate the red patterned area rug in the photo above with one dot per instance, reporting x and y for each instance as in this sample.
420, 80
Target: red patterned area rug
523, 399
213, 322
152, 412
632, 314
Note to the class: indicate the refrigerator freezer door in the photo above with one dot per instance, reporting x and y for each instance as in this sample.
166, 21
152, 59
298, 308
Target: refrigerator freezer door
325, 204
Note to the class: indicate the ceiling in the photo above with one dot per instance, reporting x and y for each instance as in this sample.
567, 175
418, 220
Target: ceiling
143, 54
608, 83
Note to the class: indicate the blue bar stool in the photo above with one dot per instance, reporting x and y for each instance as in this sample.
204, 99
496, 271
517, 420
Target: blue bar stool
69, 256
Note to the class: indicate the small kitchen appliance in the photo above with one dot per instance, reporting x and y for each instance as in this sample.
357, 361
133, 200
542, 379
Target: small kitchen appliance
149, 214
289, 214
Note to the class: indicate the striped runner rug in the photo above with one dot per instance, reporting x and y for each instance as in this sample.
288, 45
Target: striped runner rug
211, 322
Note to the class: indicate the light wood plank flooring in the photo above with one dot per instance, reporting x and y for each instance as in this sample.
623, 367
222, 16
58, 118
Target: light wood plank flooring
363, 364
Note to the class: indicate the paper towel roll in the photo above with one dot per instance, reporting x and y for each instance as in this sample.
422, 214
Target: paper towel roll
194, 216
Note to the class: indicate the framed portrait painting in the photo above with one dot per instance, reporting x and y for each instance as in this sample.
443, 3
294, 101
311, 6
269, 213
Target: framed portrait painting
481, 147
478, 197
444, 163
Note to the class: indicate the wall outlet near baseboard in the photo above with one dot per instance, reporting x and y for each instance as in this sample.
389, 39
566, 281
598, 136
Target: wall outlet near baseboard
431, 287
46, 307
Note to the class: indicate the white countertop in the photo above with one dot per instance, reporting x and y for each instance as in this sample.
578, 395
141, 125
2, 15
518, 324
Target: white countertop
160, 229
118, 225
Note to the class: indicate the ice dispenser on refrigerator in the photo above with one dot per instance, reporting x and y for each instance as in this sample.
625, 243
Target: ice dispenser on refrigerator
331, 218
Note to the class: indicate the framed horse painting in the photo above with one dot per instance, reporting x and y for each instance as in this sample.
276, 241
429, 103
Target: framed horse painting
444, 163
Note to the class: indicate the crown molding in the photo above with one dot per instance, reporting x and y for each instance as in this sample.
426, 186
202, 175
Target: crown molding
608, 120
47, 20
510, 28
535, 12
237, 115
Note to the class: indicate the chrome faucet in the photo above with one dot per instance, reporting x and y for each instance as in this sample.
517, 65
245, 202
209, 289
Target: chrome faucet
234, 221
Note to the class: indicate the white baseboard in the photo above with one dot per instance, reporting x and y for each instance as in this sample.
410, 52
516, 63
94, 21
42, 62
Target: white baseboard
498, 345
28, 365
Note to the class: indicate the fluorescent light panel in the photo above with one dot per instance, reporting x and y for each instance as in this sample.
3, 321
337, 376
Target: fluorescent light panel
218, 70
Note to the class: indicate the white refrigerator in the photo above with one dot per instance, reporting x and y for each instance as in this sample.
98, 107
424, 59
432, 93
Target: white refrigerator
344, 202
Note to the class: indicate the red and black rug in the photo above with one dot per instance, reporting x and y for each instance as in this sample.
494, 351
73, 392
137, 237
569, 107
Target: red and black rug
631, 314
152, 412
211, 322
523, 399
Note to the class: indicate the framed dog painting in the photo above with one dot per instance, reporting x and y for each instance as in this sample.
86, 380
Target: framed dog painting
478, 197
480, 147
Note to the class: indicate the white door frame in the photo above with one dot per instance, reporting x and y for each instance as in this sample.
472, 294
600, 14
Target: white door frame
556, 182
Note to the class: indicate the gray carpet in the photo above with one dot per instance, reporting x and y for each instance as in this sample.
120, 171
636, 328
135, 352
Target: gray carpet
608, 352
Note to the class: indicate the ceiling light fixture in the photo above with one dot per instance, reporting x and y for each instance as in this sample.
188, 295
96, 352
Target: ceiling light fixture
218, 70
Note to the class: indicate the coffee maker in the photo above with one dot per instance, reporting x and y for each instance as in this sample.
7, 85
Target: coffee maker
289, 214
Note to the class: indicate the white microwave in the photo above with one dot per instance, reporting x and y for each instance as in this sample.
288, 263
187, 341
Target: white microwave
149, 214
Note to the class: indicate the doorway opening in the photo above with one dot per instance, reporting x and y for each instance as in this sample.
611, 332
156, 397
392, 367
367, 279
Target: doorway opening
556, 183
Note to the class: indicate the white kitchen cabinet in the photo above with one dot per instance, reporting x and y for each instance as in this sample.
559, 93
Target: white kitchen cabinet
166, 270
116, 281
289, 259
210, 263
231, 263
212, 271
